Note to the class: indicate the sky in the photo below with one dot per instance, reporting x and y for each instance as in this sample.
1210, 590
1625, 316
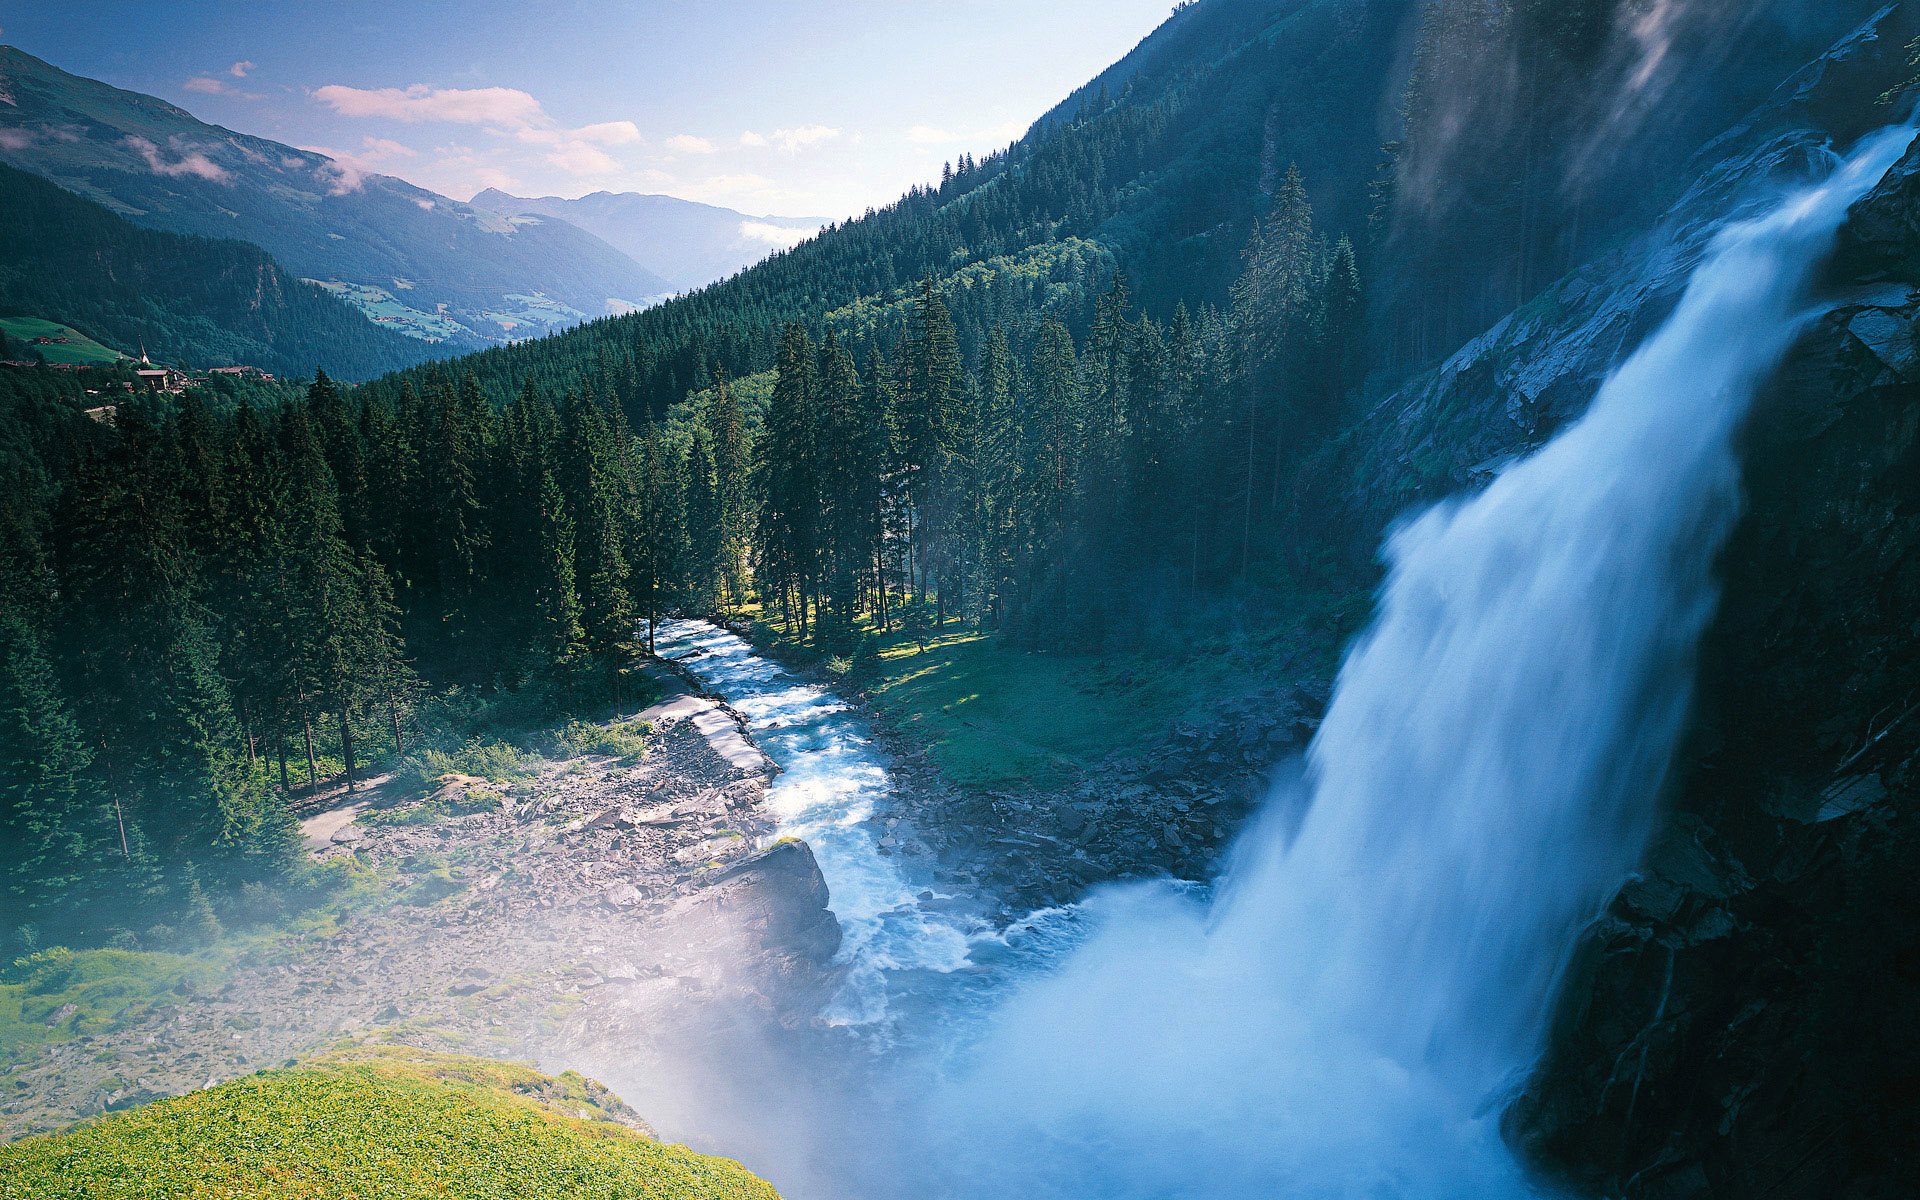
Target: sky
773, 108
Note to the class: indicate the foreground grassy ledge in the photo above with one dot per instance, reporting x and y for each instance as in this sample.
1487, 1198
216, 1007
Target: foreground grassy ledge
385, 1121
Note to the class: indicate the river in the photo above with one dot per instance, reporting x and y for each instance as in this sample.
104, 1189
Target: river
907, 967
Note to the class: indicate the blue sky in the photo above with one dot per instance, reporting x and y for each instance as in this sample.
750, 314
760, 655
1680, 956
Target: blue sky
793, 109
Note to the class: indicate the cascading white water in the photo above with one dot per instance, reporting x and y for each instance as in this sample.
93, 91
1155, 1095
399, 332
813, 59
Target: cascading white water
1344, 1017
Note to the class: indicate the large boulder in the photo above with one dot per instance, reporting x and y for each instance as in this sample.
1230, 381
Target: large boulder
767, 915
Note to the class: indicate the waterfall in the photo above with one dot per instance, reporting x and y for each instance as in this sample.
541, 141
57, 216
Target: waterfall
1348, 1012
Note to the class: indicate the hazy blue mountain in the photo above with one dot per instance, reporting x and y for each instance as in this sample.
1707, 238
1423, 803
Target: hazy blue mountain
408, 258
688, 243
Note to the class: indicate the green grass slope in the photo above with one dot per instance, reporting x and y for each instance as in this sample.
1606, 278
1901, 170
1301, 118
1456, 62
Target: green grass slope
388, 1122
76, 348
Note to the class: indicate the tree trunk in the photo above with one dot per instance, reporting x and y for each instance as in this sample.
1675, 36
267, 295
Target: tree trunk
280, 741
393, 709
313, 764
346, 746
1246, 510
122, 819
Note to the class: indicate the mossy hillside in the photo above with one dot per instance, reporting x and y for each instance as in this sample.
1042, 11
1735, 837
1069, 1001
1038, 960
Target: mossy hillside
391, 1122
59, 994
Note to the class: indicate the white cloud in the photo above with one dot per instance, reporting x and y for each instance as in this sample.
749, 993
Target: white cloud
792, 141
773, 235
191, 161
686, 143
471, 106
424, 205
927, 135
581, 158
378, 148
349, 168
239, 70
609, 133
15, 139
341, 177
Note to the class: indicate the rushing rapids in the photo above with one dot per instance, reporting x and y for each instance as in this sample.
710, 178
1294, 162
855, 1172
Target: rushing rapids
1345, 1011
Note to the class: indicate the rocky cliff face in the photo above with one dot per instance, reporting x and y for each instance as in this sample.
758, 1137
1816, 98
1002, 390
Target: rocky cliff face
1742, 1022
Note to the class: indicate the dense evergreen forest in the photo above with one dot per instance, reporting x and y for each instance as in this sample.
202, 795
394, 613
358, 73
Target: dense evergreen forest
188, 300
1065, 393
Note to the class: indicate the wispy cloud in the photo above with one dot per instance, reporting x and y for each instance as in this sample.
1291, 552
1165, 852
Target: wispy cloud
773, 235
349, 168
929, 135
509, 107
494, 177
792, 141
207, 85
583, 158
686, 143
192, 160
239, 70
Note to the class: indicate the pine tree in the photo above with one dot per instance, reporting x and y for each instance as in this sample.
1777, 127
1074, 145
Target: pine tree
790, 483
732, 481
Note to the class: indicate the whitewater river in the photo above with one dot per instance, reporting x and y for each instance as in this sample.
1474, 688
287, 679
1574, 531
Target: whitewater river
901, 960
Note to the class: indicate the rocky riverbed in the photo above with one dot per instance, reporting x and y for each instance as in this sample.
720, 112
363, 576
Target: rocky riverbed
503, 928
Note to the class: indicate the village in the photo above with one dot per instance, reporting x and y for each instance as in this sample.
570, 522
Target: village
146, 374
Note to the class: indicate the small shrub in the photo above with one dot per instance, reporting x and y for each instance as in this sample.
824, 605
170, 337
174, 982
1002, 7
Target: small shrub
622, 739
497, 761
427, 812
478, 800
258, 904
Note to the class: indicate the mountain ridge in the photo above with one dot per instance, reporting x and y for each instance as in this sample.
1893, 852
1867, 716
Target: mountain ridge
410, 258
686, 242
184, 298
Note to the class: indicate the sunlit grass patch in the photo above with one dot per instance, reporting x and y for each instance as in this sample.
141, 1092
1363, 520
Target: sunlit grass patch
374, 1121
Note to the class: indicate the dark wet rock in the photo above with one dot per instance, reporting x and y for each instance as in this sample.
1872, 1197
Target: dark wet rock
777, 899
1741, 1024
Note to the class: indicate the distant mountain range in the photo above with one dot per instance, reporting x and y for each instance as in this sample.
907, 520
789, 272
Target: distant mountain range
688, 243
184, 299
410, 259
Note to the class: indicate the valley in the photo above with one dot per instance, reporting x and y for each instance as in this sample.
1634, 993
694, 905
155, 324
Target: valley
1335, 616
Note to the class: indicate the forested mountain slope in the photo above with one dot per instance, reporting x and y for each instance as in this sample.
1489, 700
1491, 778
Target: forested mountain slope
185, 299
404, 250
1170, 179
